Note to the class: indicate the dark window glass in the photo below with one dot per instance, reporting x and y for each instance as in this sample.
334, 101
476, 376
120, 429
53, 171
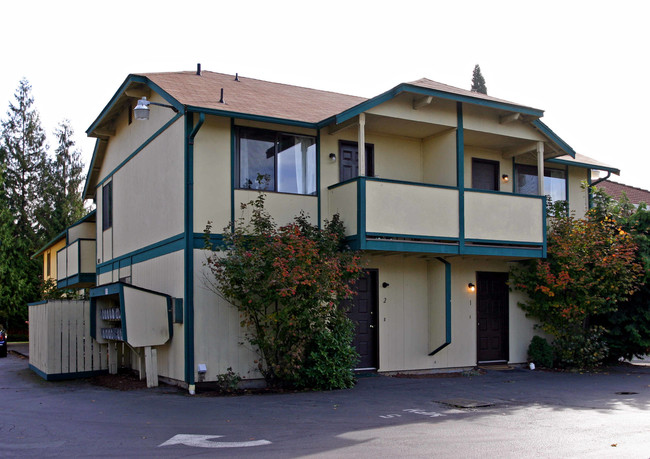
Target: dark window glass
107, 206
49, 264
275, 161
554, 182
485, 174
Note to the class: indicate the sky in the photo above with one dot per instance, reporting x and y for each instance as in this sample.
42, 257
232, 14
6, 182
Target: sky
585, 63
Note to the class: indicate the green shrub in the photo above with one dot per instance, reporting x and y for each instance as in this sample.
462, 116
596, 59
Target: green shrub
540, 352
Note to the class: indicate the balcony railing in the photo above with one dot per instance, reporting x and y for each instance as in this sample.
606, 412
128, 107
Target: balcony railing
382, 214
76, 264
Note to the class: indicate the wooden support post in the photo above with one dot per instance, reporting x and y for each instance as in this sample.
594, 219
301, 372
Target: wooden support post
362, 144
540, 168
151, 366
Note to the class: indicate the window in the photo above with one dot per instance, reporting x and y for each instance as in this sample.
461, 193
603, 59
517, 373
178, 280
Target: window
554, 181
485, 174
274, 161
107, 206
49, 264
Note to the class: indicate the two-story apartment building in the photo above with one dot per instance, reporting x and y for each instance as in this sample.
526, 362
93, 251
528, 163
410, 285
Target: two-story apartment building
449, 190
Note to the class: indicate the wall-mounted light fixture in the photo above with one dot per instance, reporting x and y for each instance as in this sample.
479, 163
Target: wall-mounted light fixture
333, 157
385, 284
471, 287
505, 178
141, 111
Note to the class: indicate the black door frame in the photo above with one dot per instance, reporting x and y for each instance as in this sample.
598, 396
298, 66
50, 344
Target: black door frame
505, 326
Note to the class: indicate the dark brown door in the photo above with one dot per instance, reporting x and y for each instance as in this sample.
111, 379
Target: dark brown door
485, 174
492, 316
349, 160
363, 312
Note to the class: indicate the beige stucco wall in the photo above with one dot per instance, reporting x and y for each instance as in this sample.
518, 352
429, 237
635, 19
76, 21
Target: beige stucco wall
482, 119
84, 230
343, 200
439, 159
212, 148
282, 206
411, 313
53, 260
219, 340
578, 197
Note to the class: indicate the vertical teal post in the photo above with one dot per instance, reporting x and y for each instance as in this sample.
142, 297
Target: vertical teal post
460, 176
189, 251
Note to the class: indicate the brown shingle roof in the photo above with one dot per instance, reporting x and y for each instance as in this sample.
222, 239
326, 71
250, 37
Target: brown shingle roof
634, 194
253, 97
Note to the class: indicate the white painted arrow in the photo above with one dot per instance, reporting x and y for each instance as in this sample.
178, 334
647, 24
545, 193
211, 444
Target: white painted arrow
203, 441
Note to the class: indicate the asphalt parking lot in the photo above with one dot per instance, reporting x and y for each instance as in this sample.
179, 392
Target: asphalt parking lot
513, 413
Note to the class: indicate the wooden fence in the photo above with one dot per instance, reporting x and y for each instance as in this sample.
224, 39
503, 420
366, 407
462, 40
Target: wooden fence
60, 345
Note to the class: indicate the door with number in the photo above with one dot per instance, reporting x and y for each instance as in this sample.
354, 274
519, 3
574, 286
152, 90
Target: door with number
492, 316
363, 312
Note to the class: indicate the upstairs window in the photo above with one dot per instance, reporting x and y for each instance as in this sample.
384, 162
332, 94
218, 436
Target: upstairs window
554, 182
107, 206
275, 161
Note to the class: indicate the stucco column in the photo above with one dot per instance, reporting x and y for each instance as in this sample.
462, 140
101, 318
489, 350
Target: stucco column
540, 168
362, 144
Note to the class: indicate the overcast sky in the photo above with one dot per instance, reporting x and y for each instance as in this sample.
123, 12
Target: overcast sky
586, 63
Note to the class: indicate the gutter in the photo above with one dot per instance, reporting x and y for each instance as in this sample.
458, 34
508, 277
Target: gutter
191, 131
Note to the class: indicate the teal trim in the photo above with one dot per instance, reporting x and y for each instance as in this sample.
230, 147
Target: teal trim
415, 247
158, 249
501, 242
318, 167
584, 165
38, 303
409, 88
361, 212
460, 175
414, 236
111, 103
191, 130
74, 281
447, 308
65, 376
104, 290
544, 129
503, 193
233, 171
199, 240
92, 166
140, 148
251, 117
505, 251
544, 229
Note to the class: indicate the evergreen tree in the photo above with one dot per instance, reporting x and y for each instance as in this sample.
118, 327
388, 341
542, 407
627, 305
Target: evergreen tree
62, 203
25, 159
478, 82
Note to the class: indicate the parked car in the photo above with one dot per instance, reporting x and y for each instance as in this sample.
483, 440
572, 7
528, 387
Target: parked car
3, 341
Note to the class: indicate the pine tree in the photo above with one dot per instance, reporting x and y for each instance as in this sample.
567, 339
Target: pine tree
62, 204
25, 159
478, 82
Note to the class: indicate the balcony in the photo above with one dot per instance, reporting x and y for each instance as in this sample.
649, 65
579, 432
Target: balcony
392, 215
76, 264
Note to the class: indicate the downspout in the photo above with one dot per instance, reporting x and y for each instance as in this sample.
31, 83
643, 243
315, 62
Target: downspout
190, 131
447, 307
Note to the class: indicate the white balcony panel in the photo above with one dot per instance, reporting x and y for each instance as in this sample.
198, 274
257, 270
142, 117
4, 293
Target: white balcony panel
411, 210
343, 200
73, 259
87, 256
501, 217
61, 264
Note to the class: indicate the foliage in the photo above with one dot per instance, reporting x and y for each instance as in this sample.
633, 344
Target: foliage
590, 269
540, 352
287, 283
478, 82
62, 202
627, 330
229, 381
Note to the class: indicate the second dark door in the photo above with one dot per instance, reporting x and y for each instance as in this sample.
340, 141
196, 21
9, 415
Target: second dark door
349, 160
